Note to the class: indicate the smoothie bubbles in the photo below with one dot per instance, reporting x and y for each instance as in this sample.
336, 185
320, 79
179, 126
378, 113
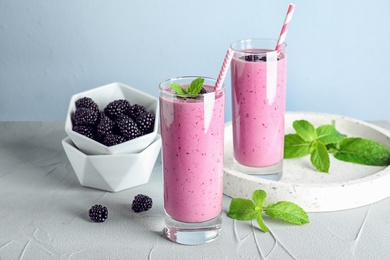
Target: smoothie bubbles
192, 130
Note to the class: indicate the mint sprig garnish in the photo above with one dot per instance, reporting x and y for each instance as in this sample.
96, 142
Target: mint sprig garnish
319, 142
192, 90
245, 209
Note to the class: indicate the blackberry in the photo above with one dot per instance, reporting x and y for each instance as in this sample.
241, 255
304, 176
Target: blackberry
113, 139
145, 122
87, 103
127, 127
255, 58
85, 130
85, 116
116, 108
136, 110
105, 126
98, 213
141, 203
203, 91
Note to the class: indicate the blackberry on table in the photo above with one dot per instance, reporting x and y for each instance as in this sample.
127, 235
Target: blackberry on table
85, 130
85, 116
113, 139
136, 110
127, 127
98, 213
141, 203
116, 108
87, 103
105, 126
145, 122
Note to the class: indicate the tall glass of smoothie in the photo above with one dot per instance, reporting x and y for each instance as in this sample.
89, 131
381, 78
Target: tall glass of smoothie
192, 131
258, 77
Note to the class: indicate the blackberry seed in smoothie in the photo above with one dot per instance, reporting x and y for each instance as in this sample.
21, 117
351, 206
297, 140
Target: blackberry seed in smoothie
192, 131
258, 77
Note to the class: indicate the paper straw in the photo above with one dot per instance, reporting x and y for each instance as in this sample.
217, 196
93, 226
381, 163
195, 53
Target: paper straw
283, 32
224, 69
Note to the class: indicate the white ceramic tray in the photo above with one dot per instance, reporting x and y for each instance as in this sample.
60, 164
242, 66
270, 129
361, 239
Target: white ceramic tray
346, 186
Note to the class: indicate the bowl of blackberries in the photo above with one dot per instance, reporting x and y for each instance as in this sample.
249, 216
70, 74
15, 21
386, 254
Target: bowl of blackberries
112, 119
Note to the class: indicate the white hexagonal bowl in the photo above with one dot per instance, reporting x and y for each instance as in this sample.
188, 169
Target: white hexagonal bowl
102, 96
113, 172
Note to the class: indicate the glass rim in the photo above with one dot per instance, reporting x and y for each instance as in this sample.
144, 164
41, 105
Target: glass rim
175, 79
235, 49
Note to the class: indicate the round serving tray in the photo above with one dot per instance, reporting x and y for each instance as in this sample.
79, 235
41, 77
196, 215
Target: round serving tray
347, 185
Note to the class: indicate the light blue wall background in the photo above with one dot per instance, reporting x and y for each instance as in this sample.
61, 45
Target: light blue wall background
50, 49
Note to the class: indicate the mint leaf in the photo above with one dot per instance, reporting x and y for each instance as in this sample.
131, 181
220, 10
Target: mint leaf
261, 223
259, 196
287, 211
177, 88
305, 130
295, 146
328, 134
362, 151
196, 86
319, 156
242, 209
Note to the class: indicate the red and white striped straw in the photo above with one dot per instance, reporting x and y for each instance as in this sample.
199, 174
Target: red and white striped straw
224, 69
283, 32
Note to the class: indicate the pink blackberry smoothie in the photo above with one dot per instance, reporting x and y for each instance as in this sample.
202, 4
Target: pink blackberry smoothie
257, 108
192, 133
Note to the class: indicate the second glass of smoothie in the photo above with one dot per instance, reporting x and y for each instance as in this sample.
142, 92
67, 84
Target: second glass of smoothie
258, 77
192, 131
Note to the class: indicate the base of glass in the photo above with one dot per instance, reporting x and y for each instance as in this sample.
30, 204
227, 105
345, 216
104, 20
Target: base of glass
192, 233
273, 172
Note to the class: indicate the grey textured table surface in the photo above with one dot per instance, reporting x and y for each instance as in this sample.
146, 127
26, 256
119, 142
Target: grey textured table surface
43, 215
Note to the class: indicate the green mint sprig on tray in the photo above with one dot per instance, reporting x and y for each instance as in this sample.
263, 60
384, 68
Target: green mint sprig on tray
192, 90
319, 142
245, 209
